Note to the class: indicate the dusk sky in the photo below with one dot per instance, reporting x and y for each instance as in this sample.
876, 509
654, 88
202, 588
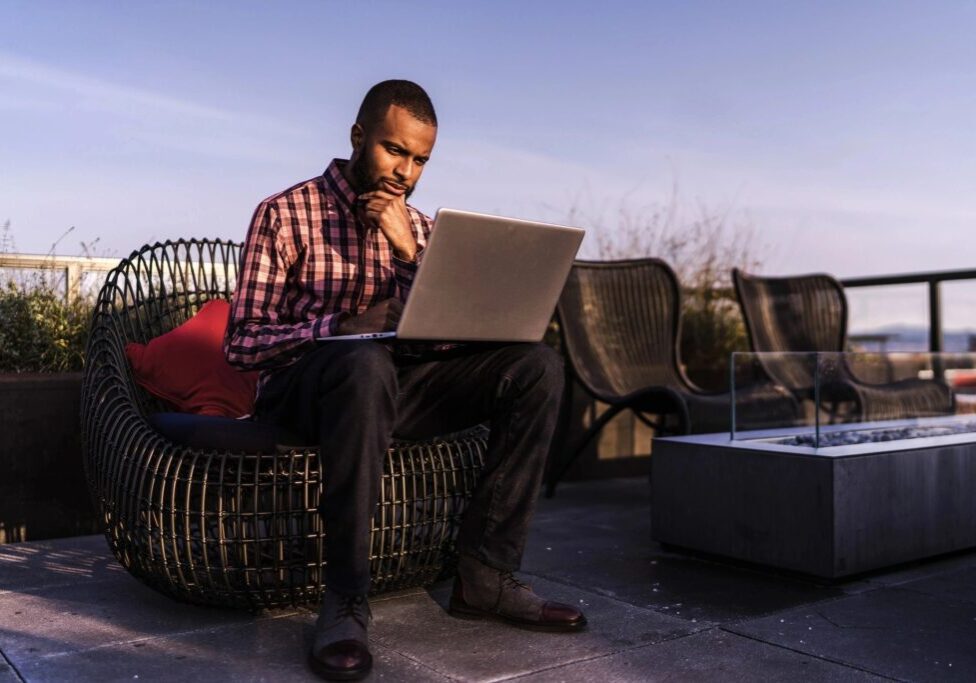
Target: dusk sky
843, 133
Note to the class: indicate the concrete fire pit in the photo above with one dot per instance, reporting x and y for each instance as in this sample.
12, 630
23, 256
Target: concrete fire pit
831, 511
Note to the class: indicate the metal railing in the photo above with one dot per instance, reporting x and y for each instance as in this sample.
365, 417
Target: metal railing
73, 267
934, 281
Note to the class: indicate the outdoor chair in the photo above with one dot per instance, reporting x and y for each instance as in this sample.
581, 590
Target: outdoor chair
220, 512
620, 325
807, 313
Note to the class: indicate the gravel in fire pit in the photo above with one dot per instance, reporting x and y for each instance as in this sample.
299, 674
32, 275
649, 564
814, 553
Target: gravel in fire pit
878, 435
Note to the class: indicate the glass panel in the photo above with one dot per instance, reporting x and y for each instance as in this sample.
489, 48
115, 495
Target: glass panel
843, 399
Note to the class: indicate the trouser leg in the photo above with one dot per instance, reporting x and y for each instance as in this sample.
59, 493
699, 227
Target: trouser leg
517, 389
341, 396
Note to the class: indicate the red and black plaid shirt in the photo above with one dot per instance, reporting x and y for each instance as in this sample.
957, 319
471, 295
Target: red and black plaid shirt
308, 262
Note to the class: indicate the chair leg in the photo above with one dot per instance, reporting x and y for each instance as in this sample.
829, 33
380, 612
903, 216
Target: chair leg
559, 471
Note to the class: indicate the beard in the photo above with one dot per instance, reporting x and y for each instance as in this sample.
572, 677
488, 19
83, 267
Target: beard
365, 178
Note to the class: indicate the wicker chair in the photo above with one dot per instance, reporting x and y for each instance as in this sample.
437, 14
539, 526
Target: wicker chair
238, 527
620, 322
807, 313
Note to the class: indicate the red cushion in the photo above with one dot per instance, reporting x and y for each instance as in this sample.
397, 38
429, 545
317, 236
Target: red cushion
186, 367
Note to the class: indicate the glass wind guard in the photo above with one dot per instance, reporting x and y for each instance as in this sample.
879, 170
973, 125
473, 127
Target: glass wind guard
823, 400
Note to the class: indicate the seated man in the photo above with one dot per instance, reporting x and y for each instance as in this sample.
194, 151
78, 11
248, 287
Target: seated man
336, 255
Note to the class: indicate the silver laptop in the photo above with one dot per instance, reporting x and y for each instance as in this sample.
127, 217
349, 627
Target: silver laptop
485, 278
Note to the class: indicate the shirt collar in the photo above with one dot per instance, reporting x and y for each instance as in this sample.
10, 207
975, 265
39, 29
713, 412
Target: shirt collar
338, 183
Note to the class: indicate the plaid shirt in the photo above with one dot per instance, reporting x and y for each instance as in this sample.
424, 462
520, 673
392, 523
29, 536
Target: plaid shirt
307, 264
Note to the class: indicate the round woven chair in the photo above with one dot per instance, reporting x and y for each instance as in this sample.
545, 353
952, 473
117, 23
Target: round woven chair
238, 527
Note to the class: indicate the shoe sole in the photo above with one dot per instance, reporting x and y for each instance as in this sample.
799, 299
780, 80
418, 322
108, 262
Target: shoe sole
339, 674
474, 614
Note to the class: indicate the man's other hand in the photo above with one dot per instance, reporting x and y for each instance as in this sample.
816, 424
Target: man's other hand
383, 317
387, 211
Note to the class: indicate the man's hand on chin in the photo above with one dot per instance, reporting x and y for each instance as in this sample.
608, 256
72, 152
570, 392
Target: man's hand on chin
383, 317
386, 210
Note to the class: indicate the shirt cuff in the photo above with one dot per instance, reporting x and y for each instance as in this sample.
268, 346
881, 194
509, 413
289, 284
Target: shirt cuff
328, 326
409, 265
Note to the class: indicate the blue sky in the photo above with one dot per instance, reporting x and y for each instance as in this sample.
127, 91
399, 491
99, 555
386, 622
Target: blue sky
842, 132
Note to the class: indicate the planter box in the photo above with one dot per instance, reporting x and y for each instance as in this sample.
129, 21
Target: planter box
829, 512
43, 493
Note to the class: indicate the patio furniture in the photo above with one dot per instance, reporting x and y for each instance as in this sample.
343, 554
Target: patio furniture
232, 521
620, 323
806, 313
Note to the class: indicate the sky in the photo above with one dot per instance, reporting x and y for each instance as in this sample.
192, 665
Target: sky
840, 133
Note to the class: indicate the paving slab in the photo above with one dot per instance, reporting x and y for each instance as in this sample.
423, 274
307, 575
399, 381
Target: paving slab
27, 566
68, 611
897, 576
421, 629
622, 499
270, 650
951, 585
707, 657
681, 585
7, 673
891, 631
68, 618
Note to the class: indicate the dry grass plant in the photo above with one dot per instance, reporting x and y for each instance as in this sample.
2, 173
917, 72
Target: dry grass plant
41, 329
702, 245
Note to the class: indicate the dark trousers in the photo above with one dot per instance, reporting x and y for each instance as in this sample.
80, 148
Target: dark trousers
353, 397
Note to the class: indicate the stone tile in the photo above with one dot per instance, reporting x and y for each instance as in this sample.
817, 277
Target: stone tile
261, 650
62, 619
421, 629
891, 632
589, 500
923, 569
710, 656
950, 585
26, 566
7, 673
682, 585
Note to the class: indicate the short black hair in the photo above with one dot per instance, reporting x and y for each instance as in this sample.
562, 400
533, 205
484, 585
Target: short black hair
406, 94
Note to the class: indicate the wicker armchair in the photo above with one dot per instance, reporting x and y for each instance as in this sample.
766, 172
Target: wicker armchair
809, 313
620, 322
238, 527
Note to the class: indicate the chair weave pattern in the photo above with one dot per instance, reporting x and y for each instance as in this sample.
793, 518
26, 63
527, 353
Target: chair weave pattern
239, 529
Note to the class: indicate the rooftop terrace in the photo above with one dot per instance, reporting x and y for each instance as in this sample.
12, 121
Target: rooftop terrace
68, 612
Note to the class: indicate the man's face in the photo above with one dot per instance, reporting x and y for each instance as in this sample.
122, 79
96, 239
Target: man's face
391, 155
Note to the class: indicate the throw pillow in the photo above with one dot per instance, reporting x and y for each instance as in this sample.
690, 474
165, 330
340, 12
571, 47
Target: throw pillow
186, 367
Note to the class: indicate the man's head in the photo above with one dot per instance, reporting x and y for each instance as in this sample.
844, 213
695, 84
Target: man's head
392, 138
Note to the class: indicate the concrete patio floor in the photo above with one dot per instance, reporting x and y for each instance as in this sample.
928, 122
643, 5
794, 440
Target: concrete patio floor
68, 612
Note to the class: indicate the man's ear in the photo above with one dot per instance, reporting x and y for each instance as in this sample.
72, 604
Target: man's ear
356, 136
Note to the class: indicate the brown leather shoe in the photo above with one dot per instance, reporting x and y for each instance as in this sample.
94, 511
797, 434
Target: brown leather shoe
345, 660
483, 592
340, 651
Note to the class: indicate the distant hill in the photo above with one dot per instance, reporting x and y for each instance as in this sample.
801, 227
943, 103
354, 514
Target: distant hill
914, 338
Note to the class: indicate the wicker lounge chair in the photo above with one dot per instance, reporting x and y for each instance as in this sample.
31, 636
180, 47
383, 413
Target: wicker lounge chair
809, 313
620, 322
235, 524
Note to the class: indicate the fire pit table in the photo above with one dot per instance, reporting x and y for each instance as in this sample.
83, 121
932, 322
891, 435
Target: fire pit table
849, 488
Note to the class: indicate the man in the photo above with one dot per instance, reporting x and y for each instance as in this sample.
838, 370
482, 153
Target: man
336, 255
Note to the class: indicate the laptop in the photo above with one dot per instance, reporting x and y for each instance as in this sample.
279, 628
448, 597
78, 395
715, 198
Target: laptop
485, 278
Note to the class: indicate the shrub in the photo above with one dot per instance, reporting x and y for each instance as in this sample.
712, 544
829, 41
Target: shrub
40, 331
702, 249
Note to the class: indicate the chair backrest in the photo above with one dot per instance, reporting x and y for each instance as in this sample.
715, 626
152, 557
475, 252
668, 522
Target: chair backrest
161, 286
792, 314
154, 290
620, 322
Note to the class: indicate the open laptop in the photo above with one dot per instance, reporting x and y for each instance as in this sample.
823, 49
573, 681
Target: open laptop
485, 278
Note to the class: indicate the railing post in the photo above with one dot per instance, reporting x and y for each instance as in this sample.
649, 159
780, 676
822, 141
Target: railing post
935, 316
72, 281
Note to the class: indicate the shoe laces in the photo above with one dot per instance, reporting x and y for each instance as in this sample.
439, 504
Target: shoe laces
355, 607
509, 581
